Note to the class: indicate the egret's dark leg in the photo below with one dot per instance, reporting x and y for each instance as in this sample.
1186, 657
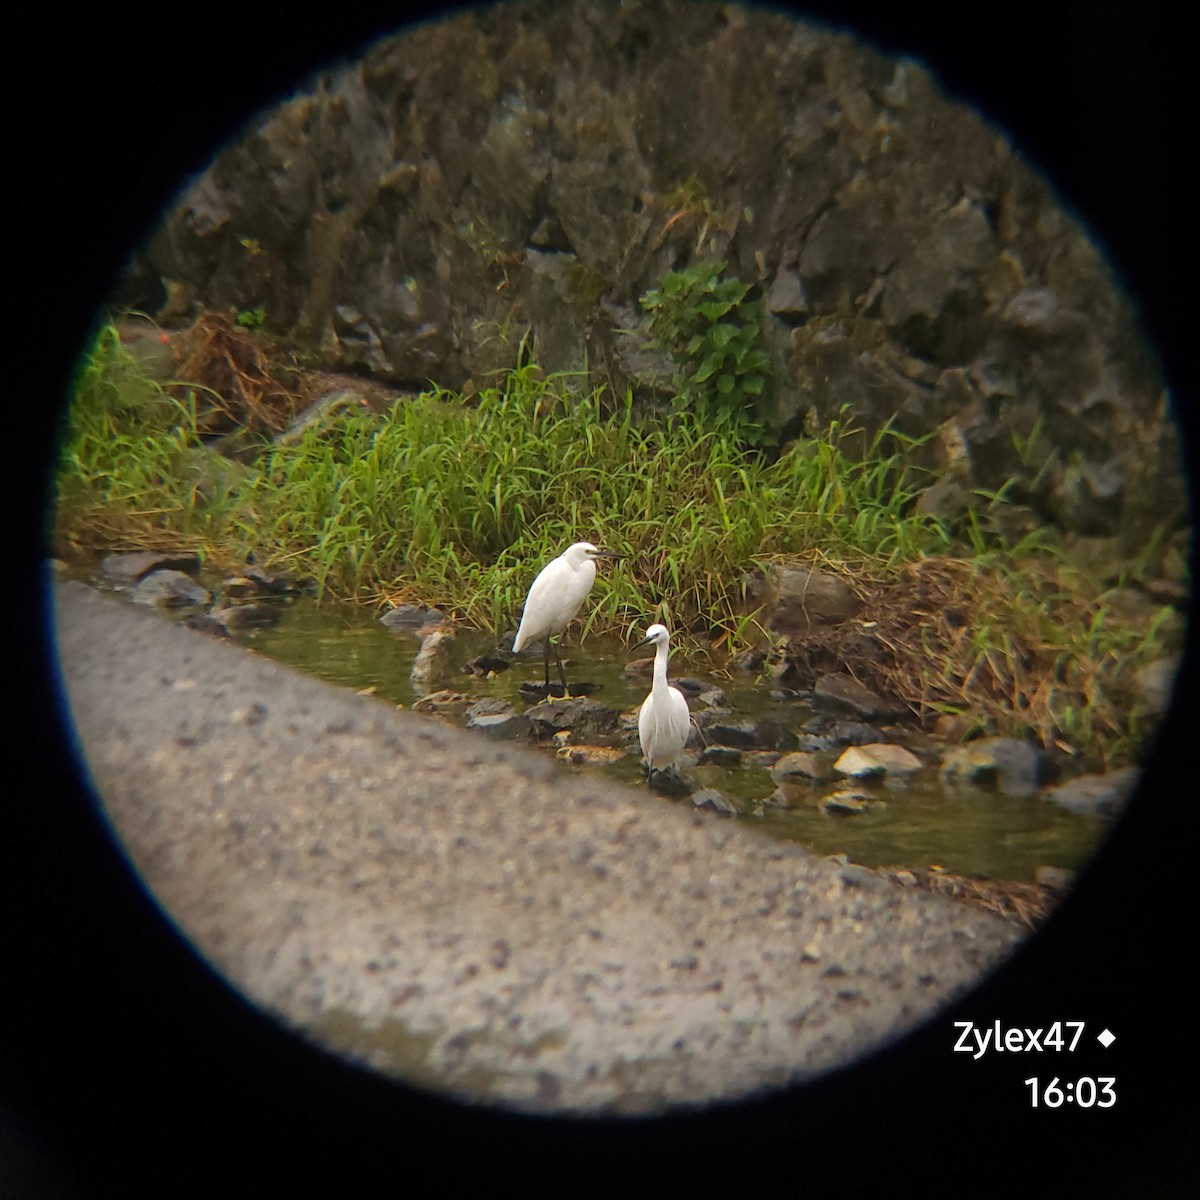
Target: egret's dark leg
546, 662
561, 673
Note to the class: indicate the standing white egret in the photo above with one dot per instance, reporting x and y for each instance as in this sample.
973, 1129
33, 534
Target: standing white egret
555, 598
663, 720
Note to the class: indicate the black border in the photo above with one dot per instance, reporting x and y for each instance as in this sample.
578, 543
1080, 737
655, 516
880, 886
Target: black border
127, 1069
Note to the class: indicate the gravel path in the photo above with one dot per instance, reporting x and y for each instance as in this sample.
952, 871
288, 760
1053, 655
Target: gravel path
477, 918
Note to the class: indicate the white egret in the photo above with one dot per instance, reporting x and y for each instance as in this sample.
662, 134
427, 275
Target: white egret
555, 598
663, 720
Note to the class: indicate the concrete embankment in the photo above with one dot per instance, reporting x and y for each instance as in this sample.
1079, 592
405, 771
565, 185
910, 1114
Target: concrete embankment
476, 918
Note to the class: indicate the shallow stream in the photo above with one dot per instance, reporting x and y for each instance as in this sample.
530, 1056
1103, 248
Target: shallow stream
966, 829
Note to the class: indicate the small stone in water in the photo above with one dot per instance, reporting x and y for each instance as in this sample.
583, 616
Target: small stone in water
848, 802
236, 617
129, 568
590, 756
714, 801
1012, 763
798, 767
877, 758
720, 756
1095, 795
408, 618
169, 589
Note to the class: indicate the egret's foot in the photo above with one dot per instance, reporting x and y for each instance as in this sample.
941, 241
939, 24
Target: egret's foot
541, 691
556, 691
580, 691
667, 781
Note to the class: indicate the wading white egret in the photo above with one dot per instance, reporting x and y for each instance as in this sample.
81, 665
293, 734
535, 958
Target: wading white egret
663, 720
555, 598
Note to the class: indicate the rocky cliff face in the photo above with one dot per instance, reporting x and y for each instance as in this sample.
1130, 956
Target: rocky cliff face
535, 167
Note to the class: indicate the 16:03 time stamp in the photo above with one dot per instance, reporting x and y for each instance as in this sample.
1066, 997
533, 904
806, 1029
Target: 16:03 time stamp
1085, 1092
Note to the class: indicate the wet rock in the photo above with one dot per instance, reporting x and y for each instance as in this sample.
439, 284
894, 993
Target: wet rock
1095, 795
848, 802
485, 665
845, 692
814, 743
1013, 765
694, 689
272, 581
669, 782
203, 622
854, 733
239, 587
127, 569
878, 758
433, 659
747, 735
712, 800
590, 756
799, 598
799, 767
237, 618
169, 589
498, 719
791, 795
584, 717
762, 760
408, 618
720, 756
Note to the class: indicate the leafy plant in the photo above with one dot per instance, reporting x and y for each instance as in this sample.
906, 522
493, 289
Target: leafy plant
713, 331
252, 318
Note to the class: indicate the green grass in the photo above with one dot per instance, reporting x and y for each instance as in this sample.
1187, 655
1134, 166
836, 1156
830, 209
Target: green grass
132, 467
462, 503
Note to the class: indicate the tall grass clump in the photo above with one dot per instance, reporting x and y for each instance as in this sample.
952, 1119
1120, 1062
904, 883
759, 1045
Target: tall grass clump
460, 503
131, 466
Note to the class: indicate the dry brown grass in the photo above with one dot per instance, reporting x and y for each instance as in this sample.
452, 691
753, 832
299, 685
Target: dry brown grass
240, 380
1027, 649
1027, 904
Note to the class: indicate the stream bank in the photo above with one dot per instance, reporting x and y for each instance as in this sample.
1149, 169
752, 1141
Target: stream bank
471, 918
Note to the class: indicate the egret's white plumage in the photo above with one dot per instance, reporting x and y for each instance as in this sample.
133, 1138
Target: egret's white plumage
555, 597
663, 720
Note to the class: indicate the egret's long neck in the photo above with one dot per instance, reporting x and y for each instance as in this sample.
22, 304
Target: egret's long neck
661, 653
